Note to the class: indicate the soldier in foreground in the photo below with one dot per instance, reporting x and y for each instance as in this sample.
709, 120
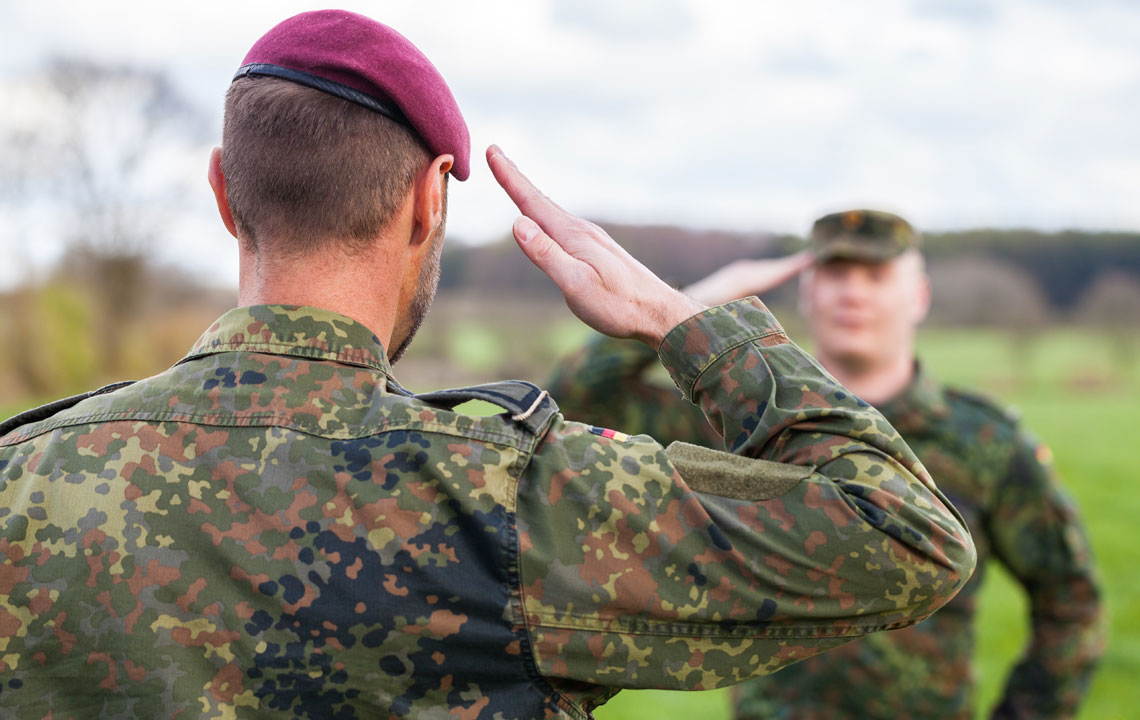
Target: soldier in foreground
864, 293
274, 527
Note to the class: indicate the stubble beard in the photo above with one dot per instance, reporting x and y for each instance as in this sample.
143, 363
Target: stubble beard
426, 285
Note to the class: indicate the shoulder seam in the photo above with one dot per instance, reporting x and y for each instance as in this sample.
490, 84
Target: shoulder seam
986, 403
53, 408
265, 420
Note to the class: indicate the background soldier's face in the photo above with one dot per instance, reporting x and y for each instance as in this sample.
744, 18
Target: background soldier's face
865, 313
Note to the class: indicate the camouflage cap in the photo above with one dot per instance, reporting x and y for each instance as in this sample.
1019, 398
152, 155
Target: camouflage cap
868, 235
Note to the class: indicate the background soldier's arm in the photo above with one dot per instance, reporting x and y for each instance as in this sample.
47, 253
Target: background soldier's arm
606, 383
690, 568
1037, 534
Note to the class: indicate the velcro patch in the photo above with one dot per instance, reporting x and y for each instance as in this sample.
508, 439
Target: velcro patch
720, 473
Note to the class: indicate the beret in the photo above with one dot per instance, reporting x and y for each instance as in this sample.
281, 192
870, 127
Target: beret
864, 235
368, 63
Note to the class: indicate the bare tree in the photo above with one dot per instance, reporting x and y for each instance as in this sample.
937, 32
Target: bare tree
92, 156
1112, 303
980, 291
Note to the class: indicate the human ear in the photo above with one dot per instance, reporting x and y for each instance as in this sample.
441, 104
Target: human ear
430, 189
922, 298
218, 184
803, 297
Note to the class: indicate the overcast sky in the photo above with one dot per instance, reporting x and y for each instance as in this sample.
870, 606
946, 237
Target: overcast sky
705, 113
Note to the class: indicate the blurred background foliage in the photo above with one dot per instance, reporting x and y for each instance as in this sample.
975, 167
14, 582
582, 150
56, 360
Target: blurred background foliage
104, 313
83, 157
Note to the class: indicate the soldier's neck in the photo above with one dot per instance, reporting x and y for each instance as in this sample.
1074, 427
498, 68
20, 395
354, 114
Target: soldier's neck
875, 383
364, 289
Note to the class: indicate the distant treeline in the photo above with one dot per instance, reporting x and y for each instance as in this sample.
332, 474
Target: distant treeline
678, 255
103, 314
1062, 266
1065, 264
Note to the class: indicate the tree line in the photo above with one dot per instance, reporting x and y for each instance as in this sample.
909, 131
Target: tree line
989, 277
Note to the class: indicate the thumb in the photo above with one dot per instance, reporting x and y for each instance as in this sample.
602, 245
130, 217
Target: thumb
543, 251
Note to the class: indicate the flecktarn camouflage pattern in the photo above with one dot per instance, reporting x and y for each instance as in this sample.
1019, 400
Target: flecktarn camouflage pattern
996, 474
863, 235
274, 528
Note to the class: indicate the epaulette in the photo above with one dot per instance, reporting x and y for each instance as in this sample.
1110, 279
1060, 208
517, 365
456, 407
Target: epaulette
987, 404
43, 412
526, 403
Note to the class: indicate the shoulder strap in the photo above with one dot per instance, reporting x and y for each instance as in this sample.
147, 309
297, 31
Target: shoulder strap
987, 404
527, 404
43, 412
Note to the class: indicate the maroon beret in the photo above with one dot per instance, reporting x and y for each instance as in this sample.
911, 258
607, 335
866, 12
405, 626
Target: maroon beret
370, 64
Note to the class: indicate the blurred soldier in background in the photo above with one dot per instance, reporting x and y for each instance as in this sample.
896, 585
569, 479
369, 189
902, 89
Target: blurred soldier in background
274, 527
864, 292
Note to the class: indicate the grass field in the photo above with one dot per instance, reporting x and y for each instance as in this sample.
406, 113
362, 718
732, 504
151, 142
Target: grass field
1071, 393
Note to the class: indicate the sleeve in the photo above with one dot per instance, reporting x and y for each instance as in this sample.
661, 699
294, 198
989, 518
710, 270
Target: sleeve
688, 568
1037, 534
605, 383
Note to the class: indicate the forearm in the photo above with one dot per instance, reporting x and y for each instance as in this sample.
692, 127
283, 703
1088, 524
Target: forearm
787, 409
772, 401
1037, 533
1067, 640
719, 566
784, 408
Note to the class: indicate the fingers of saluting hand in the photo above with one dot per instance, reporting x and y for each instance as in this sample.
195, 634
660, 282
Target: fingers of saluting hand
603, 285
748, 277
528, 198
545, 253
552, 238
765, 275
801, 260
794, 264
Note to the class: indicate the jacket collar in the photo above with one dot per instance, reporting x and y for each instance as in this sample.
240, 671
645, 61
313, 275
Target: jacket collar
294, 330
920, 402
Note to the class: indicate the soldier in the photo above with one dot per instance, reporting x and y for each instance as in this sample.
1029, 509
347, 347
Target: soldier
275, 527
864, 292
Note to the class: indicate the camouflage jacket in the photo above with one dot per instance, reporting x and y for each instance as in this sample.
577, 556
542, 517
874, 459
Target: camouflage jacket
273, 527
1001, 480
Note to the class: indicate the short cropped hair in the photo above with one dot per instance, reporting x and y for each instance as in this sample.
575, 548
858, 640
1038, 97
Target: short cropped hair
305, 169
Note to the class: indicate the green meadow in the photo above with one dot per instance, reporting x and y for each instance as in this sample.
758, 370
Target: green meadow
1078, 390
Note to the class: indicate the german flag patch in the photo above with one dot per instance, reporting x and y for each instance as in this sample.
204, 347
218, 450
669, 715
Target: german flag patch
607, 433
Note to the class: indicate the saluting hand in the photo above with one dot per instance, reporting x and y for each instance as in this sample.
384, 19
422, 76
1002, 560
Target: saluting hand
748, 277
603, 284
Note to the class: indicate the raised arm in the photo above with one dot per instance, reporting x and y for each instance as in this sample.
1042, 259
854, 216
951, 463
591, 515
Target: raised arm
607, 382
689, 568
603, 284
